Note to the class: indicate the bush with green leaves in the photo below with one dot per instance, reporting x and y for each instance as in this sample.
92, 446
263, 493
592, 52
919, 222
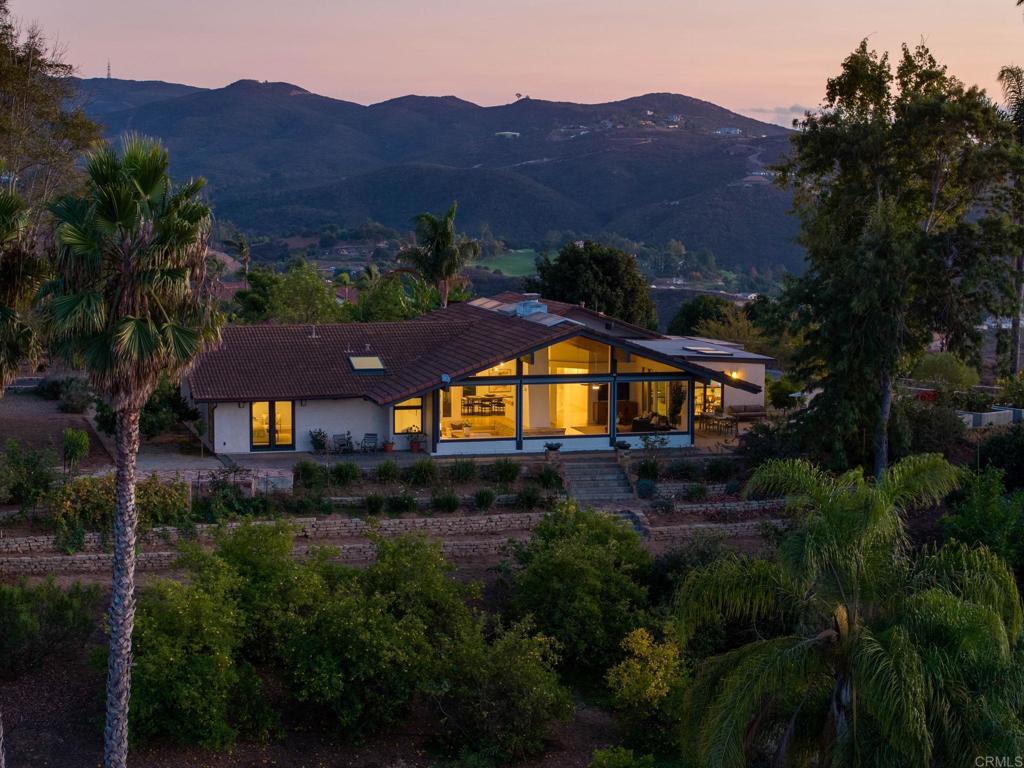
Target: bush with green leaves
75, 396
26, 475
781, 391
309, 476
74, 447
344, 473
423, 472
1005, 451
646, 488
374, 504
920, 427
529, 497
580, 577
549, 478
695, 493
188, 684
38, 620
719, 470
683, 469
165, 408
505, 471
620, 757
462, 471
446, 501
945, 371
1011, 390
318, 440
400, 504
483, 499
504, 694
986, 514
648, 468
648, 687
387, 472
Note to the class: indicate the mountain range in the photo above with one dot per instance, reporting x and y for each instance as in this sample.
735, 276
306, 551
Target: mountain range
279, 159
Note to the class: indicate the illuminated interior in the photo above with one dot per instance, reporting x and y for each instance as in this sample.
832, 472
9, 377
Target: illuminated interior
653, 406
478, 412
555, 410
409, 416
507, 368
272, 424
707, 398
574, 357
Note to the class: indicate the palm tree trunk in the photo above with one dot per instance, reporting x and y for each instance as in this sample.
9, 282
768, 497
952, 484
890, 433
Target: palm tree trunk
122, 598
882, 426
1018, 307
3, 761
442, 290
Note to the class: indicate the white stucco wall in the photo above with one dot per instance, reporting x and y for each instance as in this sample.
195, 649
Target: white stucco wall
335, 417
752, 373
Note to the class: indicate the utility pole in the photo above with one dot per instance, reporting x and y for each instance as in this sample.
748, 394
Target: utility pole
108, 69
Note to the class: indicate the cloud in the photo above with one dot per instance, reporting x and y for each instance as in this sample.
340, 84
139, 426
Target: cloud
778, 115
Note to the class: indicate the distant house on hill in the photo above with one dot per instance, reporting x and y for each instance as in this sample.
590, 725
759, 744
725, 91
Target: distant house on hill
728, 132
346, 294
489, 376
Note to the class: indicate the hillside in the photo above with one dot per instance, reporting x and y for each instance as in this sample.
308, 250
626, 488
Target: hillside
649, 168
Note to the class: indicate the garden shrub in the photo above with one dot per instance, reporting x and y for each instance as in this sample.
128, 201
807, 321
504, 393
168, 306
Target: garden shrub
26, 475
423, 472
780, 393
318, 440
719, 470
75, 396
645, 488
946, 371
580, 577
462, 471
919, 427
186, 684
669, 570
648, 688
374, 504
1005, 451
50, 387
400, 504
344, 473
505, 694
986, 514
88, 503
648, 468
619, 757
165, 408
549, 478
683, 469
698, 492
483, 499
445, 502
505, 471
529, 498
310, 476
38, 620
74, 448
387, 472
1011, 391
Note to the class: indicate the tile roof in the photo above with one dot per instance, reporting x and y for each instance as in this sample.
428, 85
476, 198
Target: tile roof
598, 321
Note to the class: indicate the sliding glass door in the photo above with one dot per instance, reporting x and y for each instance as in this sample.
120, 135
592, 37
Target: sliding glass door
271, 425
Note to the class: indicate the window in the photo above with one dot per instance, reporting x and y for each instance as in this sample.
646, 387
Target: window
654, 406
707, 398
579, 356
630, 363
507, 368
409, 416
570, 409
272, 424
480, 412
366, 363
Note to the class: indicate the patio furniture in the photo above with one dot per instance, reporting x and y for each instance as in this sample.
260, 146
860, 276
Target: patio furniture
369, 442
748, 412
342, 443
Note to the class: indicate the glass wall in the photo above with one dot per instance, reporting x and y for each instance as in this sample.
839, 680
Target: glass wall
653, 406
627, 362
565, 410
478, 412
507, 368
409, 416
574, 357
707, 398
272, 424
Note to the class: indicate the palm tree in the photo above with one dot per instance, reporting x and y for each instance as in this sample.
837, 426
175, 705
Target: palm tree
21, 270
440, 253
865, 653
240, 247
130, 302
1011, 79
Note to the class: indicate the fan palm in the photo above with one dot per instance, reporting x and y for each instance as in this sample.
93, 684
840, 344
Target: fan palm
865, 653
240, 247
440, 253
130, 302
21, 270
1011, 79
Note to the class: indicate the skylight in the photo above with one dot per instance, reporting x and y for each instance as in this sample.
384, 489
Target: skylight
366, 363
708, 350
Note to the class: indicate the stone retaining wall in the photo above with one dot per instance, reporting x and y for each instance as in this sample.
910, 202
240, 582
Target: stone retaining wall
684, 532
720, 510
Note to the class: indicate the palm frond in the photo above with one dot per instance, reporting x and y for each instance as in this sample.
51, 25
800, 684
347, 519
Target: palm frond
920, 480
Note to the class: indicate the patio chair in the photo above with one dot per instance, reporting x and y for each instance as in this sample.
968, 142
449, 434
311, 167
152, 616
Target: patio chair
342, 443
369, 442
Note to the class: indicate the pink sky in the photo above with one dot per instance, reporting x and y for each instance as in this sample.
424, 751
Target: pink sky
756, 57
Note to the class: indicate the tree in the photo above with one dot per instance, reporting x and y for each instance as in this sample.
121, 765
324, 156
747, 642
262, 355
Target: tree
602, 278
21, 270
885, 176
440, 253
863, 653
698, 310
304, 297
130, 303
255, 302
239, 246
1011, 79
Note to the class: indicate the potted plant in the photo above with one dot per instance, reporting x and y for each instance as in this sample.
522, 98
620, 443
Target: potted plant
551, 450
417, 440
622, 451
388, 446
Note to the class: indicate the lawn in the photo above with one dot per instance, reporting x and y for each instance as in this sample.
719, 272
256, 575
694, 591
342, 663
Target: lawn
519, 263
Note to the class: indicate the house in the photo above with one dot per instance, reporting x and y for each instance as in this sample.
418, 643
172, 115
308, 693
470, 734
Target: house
496, 375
